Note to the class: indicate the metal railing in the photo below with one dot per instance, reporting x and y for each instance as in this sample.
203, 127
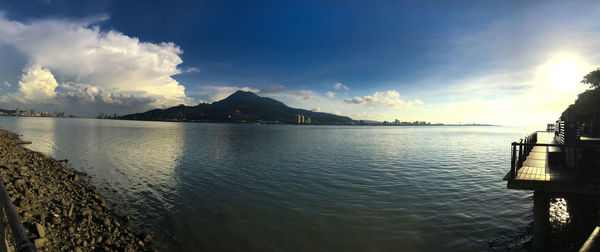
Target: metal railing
520, 151
18, 238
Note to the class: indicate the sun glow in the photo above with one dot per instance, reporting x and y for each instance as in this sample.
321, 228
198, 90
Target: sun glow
564, 74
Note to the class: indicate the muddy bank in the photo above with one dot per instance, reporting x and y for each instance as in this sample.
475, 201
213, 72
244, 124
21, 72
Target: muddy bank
58, 210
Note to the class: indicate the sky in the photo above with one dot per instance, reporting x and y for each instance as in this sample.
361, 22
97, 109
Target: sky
496, 62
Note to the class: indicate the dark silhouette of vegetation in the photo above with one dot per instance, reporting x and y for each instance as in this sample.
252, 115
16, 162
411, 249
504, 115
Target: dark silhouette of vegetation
592, 78
587, 105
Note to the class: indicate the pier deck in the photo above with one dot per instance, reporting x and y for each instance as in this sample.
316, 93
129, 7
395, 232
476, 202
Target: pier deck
538, 167
544, 169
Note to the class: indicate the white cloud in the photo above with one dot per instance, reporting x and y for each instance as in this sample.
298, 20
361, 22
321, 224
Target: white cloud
216, 93
191, 70
330, 94
7, 84
390, 98
338, 86
272, 88
36, 85
63, 51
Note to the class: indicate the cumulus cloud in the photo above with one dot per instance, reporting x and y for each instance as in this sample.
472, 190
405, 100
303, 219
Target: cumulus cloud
390, 98
7, 84
37, 84
330, 94
338, 86
116, 65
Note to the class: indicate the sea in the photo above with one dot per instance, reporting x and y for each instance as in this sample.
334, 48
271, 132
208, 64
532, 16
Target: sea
249, 187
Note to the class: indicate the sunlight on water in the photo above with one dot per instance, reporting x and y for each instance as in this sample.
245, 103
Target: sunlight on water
559, 214
45, 141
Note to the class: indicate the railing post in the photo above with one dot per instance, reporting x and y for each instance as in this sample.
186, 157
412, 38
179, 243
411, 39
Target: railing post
513, 168
18, 231
520, 152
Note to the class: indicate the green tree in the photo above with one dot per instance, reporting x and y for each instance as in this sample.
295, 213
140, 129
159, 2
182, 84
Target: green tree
592, 78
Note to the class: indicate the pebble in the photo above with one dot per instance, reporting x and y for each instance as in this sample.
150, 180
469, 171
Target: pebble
40, 242
40, 230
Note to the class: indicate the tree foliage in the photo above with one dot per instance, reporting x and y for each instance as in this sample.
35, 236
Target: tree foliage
592, 78
587, 105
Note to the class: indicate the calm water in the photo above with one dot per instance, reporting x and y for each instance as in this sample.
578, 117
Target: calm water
298, 188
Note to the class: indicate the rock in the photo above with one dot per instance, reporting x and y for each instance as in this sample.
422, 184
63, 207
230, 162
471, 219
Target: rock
70, 213
23, 205
40, 230
40, 242
86, 211
55, 219
147, 238
19, 183
29, 195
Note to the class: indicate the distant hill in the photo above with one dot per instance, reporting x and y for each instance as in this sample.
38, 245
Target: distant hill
242, 107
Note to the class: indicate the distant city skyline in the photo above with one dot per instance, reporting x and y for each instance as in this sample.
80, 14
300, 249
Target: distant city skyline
486, 62
32, 113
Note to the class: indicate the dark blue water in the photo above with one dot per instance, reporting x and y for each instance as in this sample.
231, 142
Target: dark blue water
199, 186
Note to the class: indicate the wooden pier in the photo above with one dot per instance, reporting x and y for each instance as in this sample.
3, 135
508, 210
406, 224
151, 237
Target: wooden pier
544, 163
539, 163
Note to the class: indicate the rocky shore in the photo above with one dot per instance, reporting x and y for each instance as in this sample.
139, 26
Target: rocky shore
58, 210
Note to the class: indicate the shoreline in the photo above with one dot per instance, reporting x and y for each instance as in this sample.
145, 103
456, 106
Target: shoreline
60, 211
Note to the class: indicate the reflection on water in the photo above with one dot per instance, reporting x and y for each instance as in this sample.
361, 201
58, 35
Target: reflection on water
131, 163
298, 188
559, 214
42, 130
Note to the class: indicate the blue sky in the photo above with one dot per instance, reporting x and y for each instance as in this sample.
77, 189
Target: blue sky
461, 61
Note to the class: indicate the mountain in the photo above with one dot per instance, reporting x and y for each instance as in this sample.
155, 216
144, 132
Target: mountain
242, 107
